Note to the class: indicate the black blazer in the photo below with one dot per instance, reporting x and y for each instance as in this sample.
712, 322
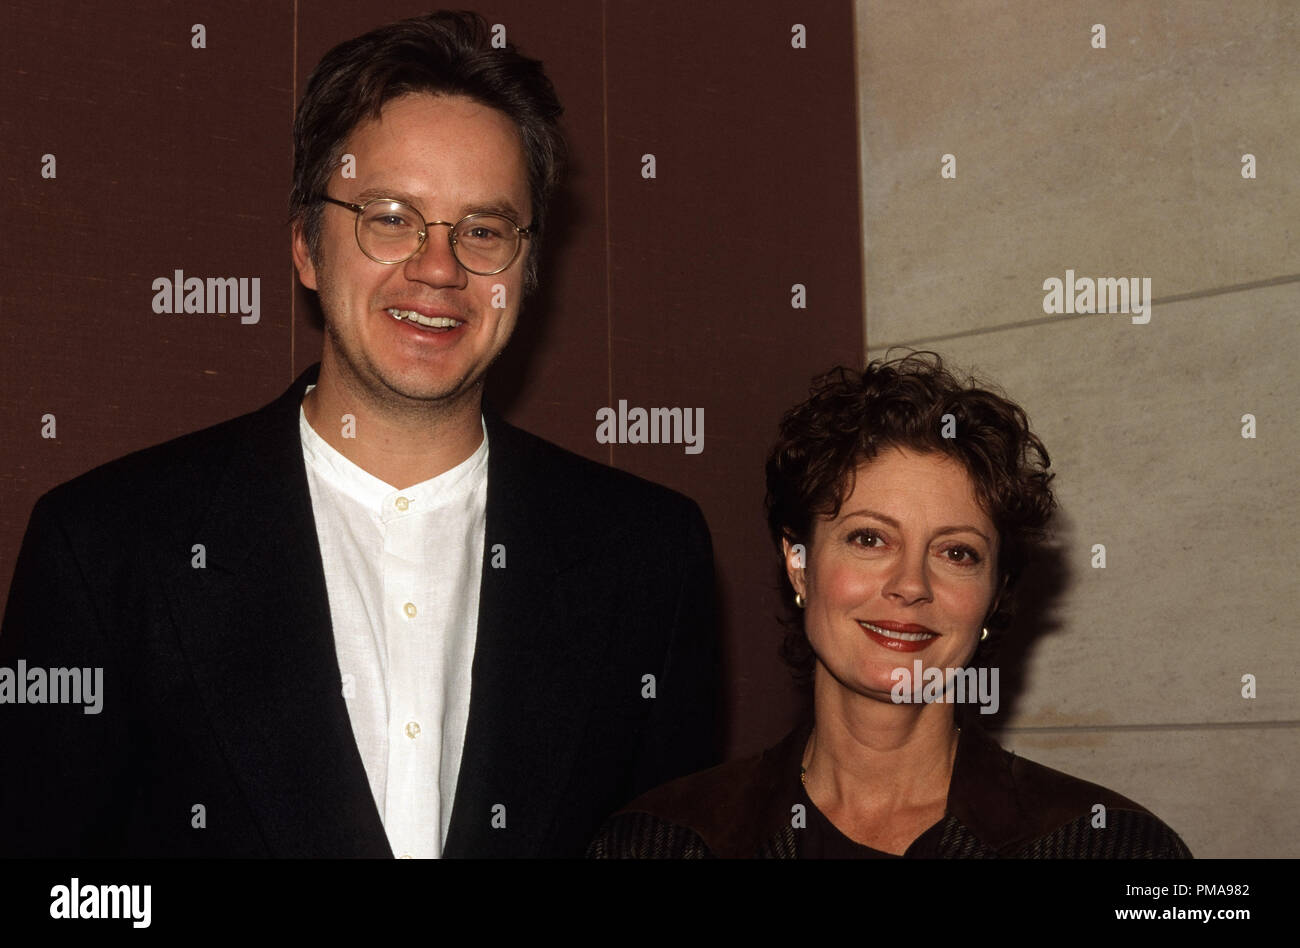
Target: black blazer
222, 688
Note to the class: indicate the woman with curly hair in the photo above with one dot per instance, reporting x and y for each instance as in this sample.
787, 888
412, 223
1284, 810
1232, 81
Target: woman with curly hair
905, 504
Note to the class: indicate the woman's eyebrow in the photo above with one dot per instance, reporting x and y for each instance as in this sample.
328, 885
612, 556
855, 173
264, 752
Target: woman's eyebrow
885, 518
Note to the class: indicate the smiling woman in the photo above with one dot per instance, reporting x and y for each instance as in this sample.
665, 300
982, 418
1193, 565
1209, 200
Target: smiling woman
905, 504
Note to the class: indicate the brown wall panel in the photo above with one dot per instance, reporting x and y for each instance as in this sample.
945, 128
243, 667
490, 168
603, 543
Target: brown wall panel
167, 157
755, 190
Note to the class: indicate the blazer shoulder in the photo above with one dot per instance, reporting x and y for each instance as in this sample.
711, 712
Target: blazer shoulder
159, 473
1042, 787
637, 835
740, 809
737, 810
682, 818
579, 480
191, 465
1066, 821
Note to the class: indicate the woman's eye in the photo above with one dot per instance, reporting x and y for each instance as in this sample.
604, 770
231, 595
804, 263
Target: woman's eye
867, 538
962, 555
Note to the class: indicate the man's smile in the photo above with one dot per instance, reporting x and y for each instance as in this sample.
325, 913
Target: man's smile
430, 322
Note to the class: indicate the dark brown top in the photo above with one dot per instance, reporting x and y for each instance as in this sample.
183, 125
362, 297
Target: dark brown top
999, 805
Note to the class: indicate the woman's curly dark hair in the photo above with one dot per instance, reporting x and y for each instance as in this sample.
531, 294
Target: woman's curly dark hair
851, 416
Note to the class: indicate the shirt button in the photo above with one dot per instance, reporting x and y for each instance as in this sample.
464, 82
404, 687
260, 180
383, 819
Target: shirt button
405, 856
409, 609
402, 503
412, 729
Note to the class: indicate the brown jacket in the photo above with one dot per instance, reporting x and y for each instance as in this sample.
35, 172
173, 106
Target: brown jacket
999, 805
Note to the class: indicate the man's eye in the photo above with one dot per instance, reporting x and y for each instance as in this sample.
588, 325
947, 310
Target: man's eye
388, 223
481, 233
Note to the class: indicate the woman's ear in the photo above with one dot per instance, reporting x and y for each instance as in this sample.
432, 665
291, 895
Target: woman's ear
795, 557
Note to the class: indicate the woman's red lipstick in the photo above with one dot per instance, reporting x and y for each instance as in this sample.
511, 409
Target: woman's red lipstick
905, 637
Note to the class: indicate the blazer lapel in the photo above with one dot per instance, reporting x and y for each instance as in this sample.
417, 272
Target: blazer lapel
255, 628
534, 654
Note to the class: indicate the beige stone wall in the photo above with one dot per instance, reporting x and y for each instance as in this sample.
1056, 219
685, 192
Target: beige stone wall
1120, 162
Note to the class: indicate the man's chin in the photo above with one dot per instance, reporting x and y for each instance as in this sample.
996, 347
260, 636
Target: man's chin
404, 387
419, 390
422, 392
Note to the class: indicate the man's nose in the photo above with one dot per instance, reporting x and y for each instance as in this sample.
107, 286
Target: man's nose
435, 263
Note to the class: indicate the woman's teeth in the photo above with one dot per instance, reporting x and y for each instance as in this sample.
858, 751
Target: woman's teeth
435, 322
901, 636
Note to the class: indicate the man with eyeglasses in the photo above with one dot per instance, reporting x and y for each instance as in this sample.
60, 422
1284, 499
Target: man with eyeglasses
415, 630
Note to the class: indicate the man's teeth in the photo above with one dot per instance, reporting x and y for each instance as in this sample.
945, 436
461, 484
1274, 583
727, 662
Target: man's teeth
901, 636
436, 322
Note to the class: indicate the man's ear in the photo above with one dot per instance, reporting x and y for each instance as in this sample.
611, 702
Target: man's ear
302, 257
796, 557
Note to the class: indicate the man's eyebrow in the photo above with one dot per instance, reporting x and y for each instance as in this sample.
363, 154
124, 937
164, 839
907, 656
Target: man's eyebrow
371, 194
502, 207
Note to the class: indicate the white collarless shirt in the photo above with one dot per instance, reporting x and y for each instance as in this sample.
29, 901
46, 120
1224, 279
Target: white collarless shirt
402, 572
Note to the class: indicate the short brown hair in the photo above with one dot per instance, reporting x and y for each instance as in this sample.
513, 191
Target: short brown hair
441, 54
851, 416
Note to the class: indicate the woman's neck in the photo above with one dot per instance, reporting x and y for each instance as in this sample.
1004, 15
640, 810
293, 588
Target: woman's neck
869, 760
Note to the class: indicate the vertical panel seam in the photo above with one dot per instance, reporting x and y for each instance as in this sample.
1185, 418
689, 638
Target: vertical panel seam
609, 293
293, 101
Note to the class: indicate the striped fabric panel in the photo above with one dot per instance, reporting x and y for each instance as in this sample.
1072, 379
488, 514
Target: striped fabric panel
957, 842
642, 836
1128, 834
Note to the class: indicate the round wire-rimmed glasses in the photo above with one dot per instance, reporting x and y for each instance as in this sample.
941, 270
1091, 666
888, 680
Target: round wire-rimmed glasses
391, 232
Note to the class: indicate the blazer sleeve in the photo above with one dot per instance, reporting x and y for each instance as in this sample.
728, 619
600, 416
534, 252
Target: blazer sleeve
63, 767
682, 735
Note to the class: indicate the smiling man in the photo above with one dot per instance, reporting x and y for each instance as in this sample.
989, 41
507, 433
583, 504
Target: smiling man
417, 307
372, 618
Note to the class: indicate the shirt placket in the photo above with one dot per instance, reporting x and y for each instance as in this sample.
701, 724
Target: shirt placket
414, 736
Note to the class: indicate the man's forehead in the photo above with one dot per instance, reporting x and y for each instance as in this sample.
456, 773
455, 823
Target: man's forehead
427, 148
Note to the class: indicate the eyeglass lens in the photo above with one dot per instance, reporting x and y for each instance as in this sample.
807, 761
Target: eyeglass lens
389, 231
